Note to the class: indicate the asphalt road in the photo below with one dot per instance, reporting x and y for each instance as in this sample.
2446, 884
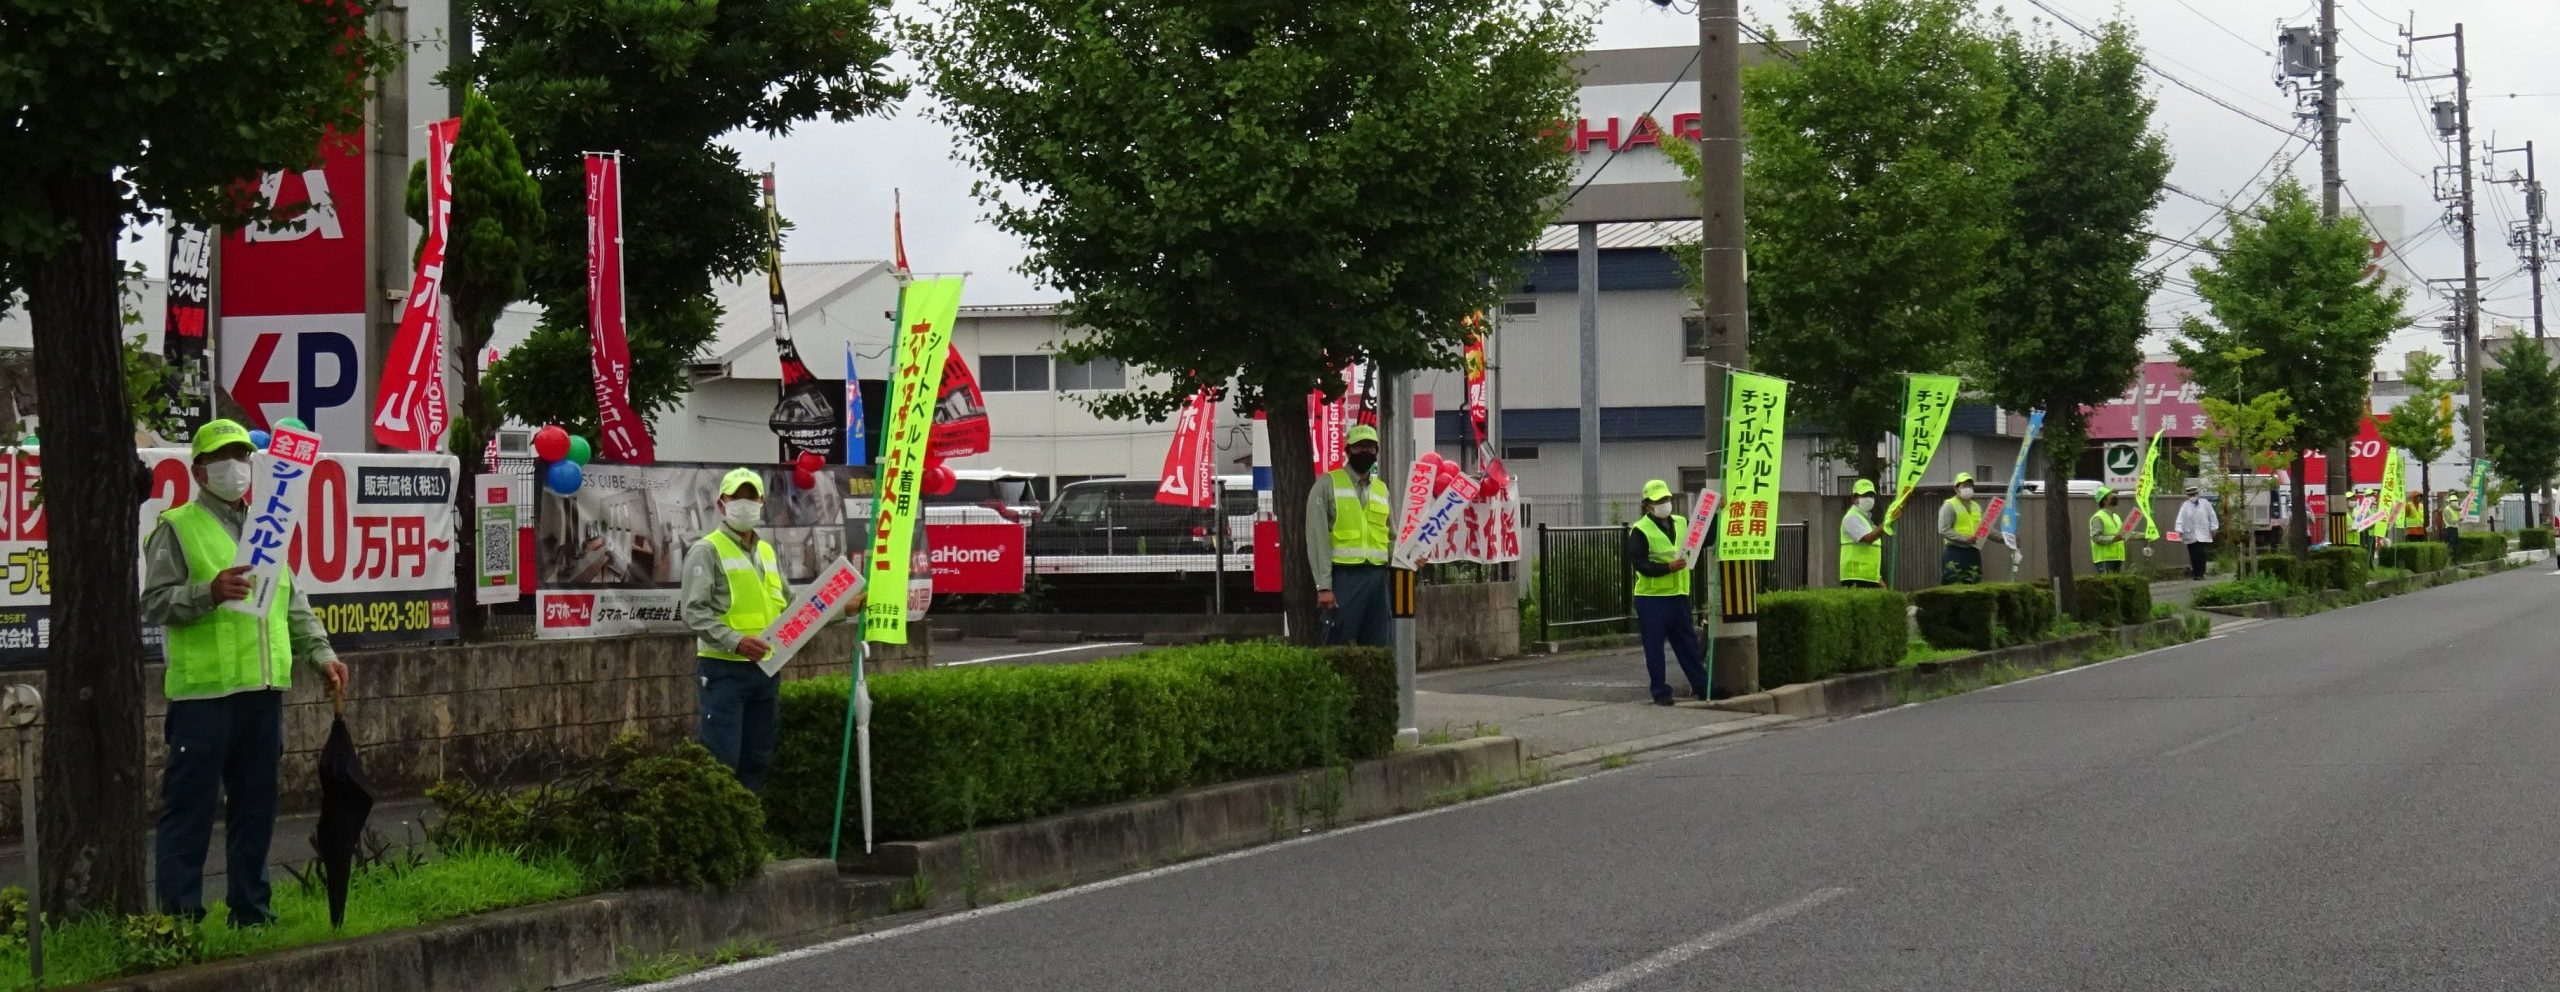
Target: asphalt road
2367, 799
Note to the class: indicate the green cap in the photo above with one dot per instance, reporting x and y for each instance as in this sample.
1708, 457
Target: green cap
2102, 494
216, 435
1657, 490
1963, 478
1359, 433
741, 478
1863, 488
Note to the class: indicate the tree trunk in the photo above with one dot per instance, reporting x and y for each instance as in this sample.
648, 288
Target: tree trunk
475, 427
1293, 461
2060, 461
2297, 537
95, 812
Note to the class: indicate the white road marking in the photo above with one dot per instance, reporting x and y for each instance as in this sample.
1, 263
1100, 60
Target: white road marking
1095, 646
2208, 741
1673, 956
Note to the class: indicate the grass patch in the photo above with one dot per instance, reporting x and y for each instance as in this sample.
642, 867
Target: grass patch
1613, 762
2260, 588
1450, 733
644, 970
379, 899
1919, 652
1911, 687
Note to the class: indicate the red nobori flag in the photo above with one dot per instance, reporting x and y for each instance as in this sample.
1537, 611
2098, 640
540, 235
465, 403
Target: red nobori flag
411, 414
1188, 471
625, 437
1476, 410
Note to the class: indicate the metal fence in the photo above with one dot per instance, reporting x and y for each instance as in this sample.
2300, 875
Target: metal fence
1582, 586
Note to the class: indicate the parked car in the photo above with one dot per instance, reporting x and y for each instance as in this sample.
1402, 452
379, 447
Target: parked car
986, 496
1120, 517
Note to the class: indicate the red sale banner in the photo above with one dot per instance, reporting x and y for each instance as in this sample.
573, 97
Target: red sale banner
625, 436
960, 425
412, 415
976, 558
1187, 468
1477, 412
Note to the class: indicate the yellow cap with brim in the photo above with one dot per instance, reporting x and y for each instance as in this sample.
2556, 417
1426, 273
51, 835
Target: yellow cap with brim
1964, 478
741, 478
216, 435
1863, 488
1359, 433
1657, 490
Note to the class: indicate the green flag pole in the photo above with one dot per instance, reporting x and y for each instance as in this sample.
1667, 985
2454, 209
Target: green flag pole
855, 695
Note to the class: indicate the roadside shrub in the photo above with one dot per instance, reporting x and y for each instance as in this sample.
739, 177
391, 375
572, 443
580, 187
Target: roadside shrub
639, 816
2282, 568
2481, 545
2319, 572
2260, 588
2111, 600
2348, 570
1814, 634
955, 748
1371, 673
2419, 556
1986, 616
158, 943
2533, 539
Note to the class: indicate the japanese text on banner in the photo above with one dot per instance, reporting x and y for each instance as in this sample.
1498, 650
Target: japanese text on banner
834, 589
928, 306
1188, 469
624, 435
276, 500
411, 414
1926, 402
2142, 488
1755, 433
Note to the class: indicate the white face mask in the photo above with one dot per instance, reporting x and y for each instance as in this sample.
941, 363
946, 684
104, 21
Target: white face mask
1964, 492
1660, 511
1866, 503
227, 480
742, 514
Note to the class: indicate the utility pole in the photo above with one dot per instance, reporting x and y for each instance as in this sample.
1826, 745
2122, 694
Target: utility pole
1727, 318
2458, 128
2527, 239
2304, 54
1587, 293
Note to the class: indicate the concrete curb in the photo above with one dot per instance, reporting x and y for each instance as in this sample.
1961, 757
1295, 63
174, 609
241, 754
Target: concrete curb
1571, 760
1864, 692
545, 946
1085, 845
2375, 590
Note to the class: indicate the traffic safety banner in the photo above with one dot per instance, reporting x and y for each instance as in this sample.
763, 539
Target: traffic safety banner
372, 546
1926, 402
827, 596
928, 308
279, 489
1755, 430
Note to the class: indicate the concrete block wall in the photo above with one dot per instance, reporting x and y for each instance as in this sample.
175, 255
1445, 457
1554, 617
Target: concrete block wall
1466, 624
505, 711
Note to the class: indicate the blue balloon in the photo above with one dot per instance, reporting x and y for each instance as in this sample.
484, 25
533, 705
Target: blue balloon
565, 477
259, 438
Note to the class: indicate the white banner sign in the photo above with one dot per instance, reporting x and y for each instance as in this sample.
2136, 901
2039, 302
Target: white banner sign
827, 596
276, 497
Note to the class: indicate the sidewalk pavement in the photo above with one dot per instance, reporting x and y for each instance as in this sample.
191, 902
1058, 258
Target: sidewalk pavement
1572, 709
398, 824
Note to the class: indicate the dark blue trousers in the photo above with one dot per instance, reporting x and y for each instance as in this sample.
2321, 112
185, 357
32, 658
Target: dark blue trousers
741, 711
1666, 619
1361, 613
220, 751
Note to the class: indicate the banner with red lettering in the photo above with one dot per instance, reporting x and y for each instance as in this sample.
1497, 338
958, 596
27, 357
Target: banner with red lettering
1188, 471
1477, 413
412, 414
182, 333
960, 425
373, 548
624, 435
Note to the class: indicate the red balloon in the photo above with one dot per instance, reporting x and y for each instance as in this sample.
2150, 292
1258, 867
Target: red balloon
811, 462
551, 443
804, 479
940, 480
1496, 479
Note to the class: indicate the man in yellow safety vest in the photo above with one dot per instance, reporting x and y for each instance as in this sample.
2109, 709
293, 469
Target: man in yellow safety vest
733, 589
1653, 551
227, 678
2106, 535
1958, 518
1348, 541
1861, 550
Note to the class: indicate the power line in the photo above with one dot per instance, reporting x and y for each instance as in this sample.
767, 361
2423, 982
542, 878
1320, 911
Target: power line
2208, 18
1648, 115
2165, 76
2224, 214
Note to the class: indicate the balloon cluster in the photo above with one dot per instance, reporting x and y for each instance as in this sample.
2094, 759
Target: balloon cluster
565, 455
804, 470
259, 438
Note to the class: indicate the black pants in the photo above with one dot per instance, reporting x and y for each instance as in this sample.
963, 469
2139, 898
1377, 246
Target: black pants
220, 751
741, 713
1665, 621
2199, 555
1960, 566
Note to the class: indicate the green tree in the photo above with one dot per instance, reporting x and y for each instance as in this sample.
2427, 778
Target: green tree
2292, 288
2256, 434
2520, 421
1258, 193
1878, 181
661, 83
112, 111
496, 223
2423, 423
2063, 332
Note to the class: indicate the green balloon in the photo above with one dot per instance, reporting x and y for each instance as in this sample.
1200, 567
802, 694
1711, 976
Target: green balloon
580, 450
293, 422
29, 442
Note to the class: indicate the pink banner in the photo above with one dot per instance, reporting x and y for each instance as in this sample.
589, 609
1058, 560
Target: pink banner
1188, 472
2167, 400
625, 436
412, 414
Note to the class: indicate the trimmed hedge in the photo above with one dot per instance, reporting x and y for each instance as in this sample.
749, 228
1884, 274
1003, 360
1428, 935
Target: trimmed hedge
2533, 539
2111, 600
2283, 568
2319, 572
1812, 635
2418, 556
2346, 569
2481, 545
1985, 616
955, 748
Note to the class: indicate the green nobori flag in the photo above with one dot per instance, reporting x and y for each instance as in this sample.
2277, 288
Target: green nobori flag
1926, 402
2472, 502
2142, 487
1755, 446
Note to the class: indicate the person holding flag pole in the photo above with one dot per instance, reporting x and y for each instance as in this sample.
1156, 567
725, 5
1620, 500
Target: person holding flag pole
857, 704
2005, 509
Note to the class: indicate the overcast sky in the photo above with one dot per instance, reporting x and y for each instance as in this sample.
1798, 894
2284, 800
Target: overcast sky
836, 178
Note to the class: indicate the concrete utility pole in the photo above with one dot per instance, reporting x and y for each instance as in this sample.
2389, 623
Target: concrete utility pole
2341, 478
1587, 291
2528, 238
2468, 307
1727, 317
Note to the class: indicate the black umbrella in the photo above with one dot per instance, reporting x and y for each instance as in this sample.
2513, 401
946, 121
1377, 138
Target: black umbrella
345, 803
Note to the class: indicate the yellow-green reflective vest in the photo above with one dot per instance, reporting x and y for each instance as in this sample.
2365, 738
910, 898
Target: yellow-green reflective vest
2109, 524
755, 590
1360, 535
221, 653
1662, 549
1968, 516
1860, 561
